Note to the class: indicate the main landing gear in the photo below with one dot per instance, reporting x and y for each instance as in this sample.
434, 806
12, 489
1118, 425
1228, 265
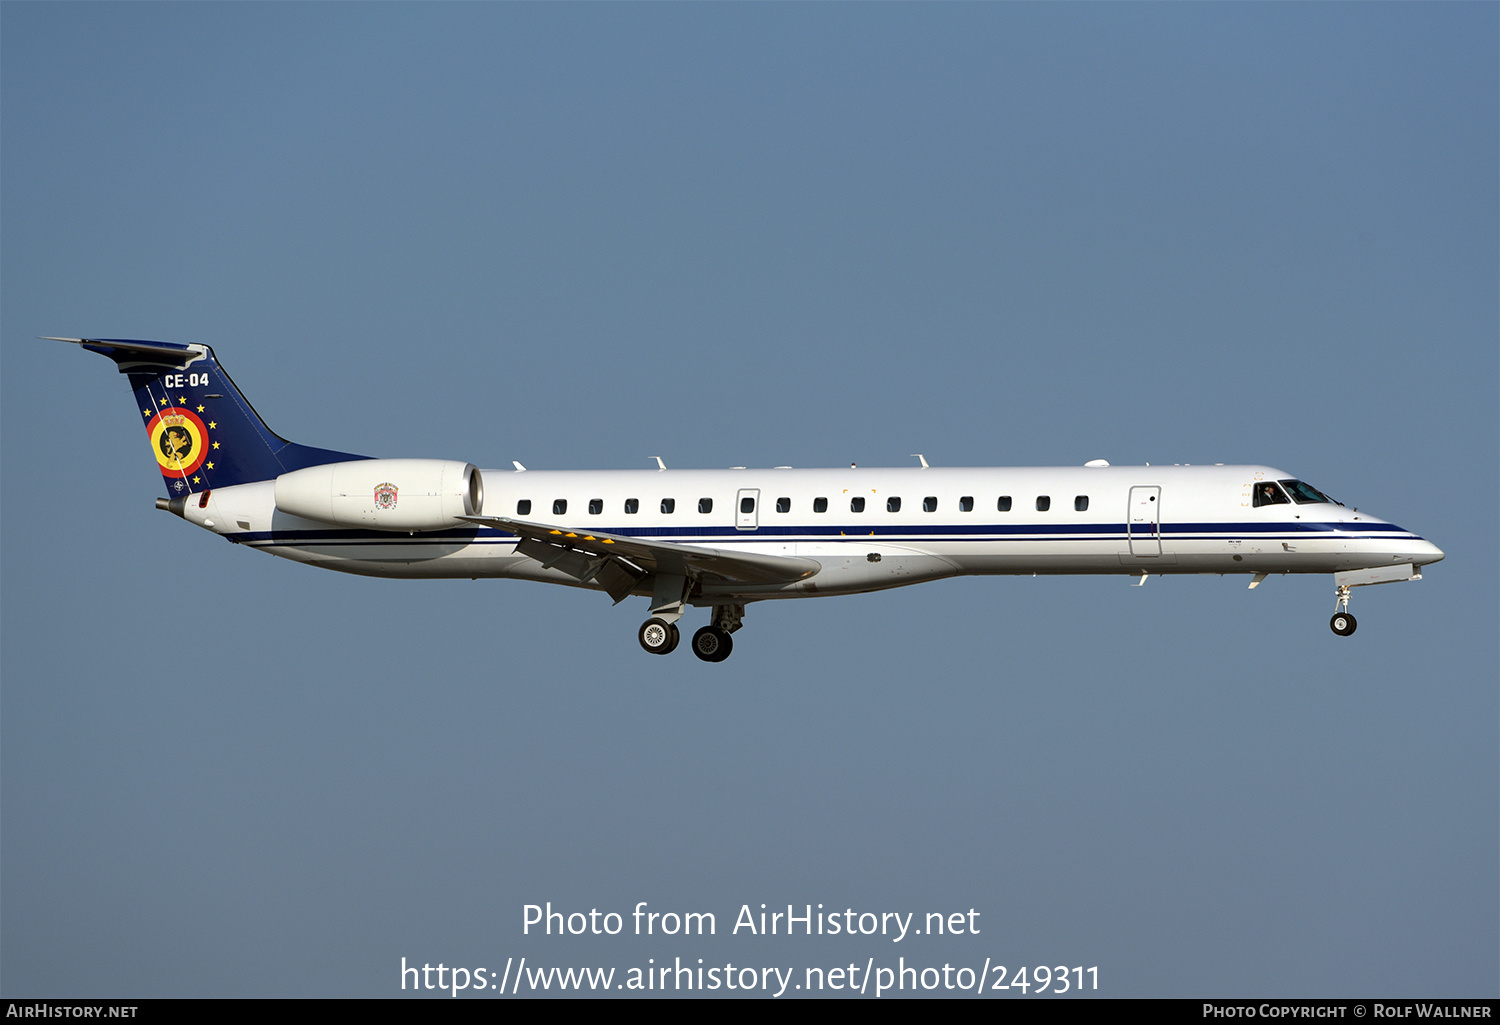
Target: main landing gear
659, 637
1342, 623
711, 644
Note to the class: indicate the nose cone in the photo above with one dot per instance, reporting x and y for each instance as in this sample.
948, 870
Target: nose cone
1425, 552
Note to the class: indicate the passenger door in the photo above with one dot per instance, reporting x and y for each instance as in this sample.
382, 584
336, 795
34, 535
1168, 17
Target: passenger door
1143, 520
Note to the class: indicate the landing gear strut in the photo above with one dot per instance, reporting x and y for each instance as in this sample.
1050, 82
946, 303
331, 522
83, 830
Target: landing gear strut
1342, 623
712, 643
659, 634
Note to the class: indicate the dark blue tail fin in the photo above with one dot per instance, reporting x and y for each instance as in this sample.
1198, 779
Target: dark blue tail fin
203, 432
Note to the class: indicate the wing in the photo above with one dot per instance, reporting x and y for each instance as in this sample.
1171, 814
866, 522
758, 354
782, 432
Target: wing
619, 563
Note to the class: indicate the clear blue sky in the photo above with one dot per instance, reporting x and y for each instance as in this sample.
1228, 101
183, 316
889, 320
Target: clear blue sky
583, 235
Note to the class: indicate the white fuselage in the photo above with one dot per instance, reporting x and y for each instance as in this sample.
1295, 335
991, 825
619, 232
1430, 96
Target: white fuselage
950, 521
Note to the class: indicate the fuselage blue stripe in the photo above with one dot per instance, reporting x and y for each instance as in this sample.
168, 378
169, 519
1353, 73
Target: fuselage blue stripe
891, 532
313, 539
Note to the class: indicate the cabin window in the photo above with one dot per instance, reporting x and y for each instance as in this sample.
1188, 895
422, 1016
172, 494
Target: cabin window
747, 504
1004, 504
705, 505
1267, 493
559, 507
596, 506
893, 504
1302, 493
820, 505
857, 504
668, 506
966, 504
929, 504
783, 505
1081, 503
1043, 503
632, 506
523, 507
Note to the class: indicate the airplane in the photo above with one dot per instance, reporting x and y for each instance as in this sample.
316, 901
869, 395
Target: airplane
723, 539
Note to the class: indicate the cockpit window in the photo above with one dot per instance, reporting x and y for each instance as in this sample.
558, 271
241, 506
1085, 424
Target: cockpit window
1305, 493
1267, 493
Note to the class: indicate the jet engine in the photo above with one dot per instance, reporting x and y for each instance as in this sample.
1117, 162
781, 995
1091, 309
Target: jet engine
384, 494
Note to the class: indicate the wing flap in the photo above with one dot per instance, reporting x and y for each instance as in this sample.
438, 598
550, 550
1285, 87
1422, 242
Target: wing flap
646, 556
618, 577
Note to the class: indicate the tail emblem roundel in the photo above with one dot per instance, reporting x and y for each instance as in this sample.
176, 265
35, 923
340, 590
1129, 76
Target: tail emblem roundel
385, 496
177, 439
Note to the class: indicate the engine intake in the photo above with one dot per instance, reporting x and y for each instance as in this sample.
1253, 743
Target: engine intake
384, 494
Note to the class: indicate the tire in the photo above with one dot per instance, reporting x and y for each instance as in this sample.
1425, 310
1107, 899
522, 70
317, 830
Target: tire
712, 644
1343, 624
658, 636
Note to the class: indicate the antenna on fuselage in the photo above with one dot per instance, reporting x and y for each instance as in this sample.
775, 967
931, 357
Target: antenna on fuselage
922, 459
659, 464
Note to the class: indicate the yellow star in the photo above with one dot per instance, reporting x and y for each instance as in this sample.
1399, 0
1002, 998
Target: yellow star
211, 426
200, 409
163, 402
182, 399
146, 411
210, 465
195, 480
216, 444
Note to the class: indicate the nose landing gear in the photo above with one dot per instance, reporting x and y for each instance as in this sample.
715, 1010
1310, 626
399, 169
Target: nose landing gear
1342, 623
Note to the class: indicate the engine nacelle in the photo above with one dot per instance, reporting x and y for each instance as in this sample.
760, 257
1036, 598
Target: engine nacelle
384, 494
